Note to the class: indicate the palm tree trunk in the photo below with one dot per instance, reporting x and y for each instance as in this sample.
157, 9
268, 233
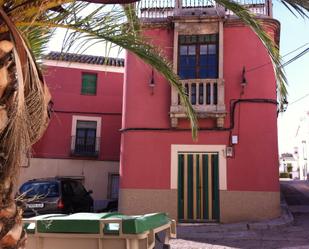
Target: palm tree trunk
12, 234
24, 102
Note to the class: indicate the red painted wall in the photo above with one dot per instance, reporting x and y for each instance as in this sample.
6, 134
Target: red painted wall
145, 155
65, 84
142, 107
65, 87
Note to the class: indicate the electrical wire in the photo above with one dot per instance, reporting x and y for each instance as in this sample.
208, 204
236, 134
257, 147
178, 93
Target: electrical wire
286, 63
295, 57
233, 104
291, 52
299, 99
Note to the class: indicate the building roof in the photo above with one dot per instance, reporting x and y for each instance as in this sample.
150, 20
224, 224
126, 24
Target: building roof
83, 58
288, 156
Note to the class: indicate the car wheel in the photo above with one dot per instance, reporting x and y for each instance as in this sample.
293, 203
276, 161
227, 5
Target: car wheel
70, 210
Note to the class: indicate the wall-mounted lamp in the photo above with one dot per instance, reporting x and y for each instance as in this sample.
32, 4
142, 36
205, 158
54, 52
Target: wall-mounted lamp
229, 151
284, 105
243, 78
243, 82
152, 82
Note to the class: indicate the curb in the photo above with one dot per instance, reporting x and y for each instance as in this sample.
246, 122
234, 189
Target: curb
286, 219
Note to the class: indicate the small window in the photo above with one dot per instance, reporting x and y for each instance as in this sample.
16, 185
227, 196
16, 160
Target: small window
85, 141
113, 188
89, 84
86, 136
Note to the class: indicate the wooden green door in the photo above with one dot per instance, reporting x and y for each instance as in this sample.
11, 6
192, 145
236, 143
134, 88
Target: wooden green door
198, 187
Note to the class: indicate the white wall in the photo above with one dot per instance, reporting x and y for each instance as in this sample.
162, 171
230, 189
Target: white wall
302, 138
95, 173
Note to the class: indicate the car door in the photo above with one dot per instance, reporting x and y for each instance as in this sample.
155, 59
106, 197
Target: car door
81, 199
67, 196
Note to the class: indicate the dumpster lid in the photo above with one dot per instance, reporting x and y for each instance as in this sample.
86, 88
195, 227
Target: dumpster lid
143, 223
89, 223
74, 223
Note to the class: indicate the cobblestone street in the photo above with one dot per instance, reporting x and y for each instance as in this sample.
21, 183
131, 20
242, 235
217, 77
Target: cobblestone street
294, 236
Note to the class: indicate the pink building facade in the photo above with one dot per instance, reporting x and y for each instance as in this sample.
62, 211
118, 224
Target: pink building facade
103, 114
230, 173
83, 137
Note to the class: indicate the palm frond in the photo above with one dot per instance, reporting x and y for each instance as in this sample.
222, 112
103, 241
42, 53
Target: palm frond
133, 21
26, 105
113, 25
299, 6
152, 59
37, 38
250, 19
32, 10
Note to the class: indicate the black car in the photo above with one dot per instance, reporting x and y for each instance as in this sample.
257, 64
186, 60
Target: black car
55, 195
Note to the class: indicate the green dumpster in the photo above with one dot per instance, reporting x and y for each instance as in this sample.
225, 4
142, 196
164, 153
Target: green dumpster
98, 231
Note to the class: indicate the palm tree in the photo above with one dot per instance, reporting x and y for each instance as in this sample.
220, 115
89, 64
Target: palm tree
24, 97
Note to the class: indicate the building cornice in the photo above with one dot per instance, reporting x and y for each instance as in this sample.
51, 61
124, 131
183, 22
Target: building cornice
266, 22
228, 22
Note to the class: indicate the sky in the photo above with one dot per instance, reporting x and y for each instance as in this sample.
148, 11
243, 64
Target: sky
294, 34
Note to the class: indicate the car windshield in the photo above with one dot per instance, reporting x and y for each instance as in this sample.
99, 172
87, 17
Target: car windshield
40, 189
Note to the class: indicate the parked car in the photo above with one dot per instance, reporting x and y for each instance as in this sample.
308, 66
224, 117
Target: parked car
55, 195
112, 206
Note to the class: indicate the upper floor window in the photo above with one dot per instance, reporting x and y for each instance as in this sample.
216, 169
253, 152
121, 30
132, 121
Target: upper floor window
86, 132
198, 56
85, 137
89, 84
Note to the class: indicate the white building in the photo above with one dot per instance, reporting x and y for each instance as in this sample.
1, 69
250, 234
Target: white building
288, 160
301, 148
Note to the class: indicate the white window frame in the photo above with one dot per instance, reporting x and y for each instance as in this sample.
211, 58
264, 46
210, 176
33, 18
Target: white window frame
86, 118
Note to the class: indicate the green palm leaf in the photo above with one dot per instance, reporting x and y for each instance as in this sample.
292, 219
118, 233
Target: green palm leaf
299, 6
256, 25
114, 25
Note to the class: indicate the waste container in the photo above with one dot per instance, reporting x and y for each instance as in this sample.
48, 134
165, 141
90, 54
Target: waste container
98, 231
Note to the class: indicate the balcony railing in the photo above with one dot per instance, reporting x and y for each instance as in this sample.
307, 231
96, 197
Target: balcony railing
89, 148
206, 97
154, 9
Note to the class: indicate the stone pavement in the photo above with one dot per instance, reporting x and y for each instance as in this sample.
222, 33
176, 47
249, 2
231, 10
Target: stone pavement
294, 236
279, 233
296, 192
288, 232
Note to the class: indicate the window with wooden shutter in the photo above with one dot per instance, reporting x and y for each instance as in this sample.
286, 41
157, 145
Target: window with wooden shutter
89, 84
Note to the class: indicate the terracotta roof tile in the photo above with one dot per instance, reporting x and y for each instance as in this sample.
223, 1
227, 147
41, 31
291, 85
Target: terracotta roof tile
82, 58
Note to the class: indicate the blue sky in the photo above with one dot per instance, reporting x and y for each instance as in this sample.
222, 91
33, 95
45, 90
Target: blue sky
294, 33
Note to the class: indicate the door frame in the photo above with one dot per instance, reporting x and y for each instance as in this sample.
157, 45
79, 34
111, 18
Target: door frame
183, 148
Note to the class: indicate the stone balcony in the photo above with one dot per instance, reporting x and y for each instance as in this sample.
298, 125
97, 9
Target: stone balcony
198, 17
206, 97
